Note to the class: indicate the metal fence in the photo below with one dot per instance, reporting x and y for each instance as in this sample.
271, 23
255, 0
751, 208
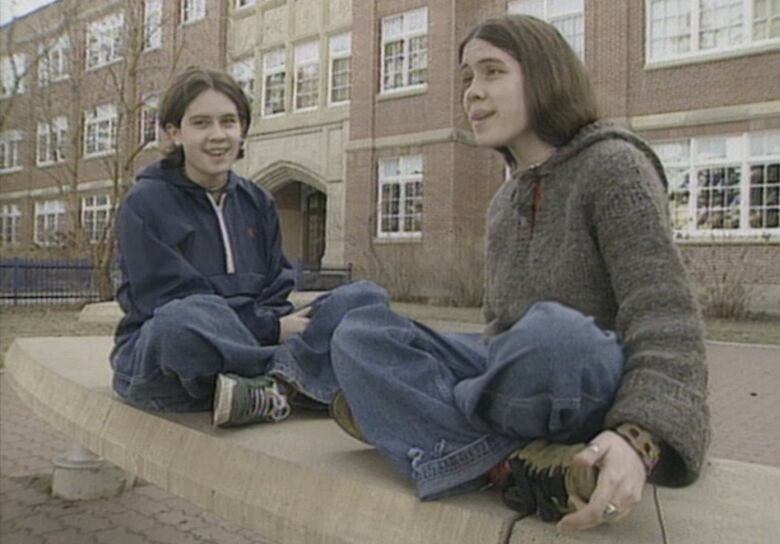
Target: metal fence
32, 281
35, 281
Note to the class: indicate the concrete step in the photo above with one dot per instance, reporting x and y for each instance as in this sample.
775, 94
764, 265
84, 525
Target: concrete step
306, 482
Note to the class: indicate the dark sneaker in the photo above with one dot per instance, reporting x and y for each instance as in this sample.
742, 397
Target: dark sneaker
240, 401
542, 479
341, 413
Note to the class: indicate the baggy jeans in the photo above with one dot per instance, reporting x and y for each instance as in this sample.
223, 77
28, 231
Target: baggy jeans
172, 361
446, 408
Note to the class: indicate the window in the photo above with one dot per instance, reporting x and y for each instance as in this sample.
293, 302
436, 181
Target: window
685, 28
95, 213
51, 140
568, 16
243, 72
400, 196
405, 50
12, 70
723, 183
340, 49
766, 19
10, 222
764, 164
192, 10
152, 24
274, 82
244, 3
307, 76
100, 130
54, 64
104, 40
49, 222
11, 150
149, 131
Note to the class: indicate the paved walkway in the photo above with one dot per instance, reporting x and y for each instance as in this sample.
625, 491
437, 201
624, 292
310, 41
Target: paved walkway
744, 400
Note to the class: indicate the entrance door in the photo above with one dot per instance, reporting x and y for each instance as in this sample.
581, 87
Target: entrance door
314, 228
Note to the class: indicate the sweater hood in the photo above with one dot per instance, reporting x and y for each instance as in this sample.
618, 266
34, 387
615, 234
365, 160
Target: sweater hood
170, 174
589, 135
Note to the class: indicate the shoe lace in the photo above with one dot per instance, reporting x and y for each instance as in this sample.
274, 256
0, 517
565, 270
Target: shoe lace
269, 403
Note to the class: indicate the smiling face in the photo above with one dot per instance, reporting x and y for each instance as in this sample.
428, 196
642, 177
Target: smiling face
210, 135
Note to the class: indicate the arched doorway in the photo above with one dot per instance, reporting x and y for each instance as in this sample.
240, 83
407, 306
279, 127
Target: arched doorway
302, 214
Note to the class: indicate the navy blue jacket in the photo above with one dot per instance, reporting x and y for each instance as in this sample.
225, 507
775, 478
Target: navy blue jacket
170, 247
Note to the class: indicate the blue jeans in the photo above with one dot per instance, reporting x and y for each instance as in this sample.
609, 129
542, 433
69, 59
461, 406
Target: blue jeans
172, 361
445, 408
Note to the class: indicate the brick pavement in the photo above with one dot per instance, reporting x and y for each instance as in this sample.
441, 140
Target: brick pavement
745, 398
30, 515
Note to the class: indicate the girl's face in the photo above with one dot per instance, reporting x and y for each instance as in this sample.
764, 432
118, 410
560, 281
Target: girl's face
494, 97
210, 135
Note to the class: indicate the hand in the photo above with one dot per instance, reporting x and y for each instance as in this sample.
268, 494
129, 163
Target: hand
620, 482
293, 323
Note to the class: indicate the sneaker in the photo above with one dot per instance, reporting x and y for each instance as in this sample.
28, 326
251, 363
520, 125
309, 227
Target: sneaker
342, 415
239, 401
542, 478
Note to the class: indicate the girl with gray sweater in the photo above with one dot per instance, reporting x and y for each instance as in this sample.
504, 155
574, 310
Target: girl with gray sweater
590, 377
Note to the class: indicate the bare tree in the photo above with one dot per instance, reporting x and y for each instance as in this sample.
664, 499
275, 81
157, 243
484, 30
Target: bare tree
121, 81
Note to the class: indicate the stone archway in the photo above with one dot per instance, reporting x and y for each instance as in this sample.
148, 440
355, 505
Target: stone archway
301, 198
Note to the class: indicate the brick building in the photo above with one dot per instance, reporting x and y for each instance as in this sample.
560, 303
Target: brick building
80, 87
359, 131
699, 80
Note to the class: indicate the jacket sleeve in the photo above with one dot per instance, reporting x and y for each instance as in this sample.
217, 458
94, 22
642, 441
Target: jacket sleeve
261, 315
156, 272
665, 378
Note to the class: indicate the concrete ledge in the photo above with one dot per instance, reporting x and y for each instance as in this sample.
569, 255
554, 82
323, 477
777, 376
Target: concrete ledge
305, 482
109, 312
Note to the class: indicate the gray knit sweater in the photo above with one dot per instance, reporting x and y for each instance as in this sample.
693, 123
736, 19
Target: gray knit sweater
599, 242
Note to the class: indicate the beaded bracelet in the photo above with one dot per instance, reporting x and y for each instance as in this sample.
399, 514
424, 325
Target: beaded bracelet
643, 442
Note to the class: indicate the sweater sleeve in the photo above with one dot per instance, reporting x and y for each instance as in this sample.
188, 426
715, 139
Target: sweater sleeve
665, 377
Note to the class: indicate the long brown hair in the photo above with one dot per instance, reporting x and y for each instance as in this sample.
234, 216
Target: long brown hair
558, 92
185, 88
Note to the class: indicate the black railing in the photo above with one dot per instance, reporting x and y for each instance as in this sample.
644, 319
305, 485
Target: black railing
28, 281
34, 281
312, 278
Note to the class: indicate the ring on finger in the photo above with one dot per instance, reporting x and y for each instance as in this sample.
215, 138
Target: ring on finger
610, 511
595, 448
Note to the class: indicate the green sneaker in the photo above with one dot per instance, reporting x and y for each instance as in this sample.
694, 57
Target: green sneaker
342, 415
240, 401
543, 478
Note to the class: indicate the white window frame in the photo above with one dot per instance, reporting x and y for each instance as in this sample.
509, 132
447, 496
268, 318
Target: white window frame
53, 214
12, 72
561, 18
307, 71
103, 120
153, 10
51, 141
408, 32
10, 225
105, 41
54, 62
149, 108
274, 64
339, 48
693, 34
192, 10
95, 216
408, 173
243, 71
739, 158
11, 142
